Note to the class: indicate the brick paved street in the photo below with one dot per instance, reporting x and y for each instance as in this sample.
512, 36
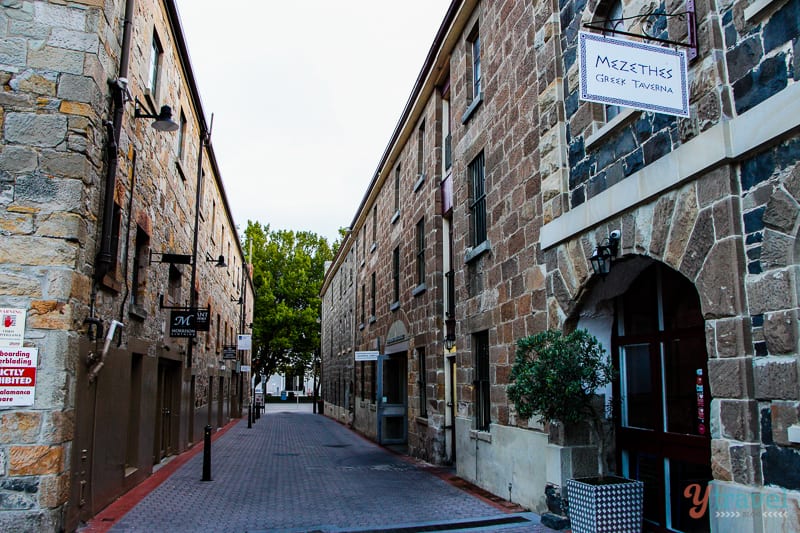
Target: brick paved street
296, 471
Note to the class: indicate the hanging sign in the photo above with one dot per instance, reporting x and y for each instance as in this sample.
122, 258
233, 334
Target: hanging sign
633, 74
229, 351
17, 376
12, 326
367, 356
245, 342
201, 321
181, 323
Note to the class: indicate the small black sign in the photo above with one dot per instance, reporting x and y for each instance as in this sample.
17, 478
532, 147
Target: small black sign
229, 351
202, 321
182, 323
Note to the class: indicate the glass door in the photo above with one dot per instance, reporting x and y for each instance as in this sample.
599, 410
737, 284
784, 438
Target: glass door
662, 428
392, 399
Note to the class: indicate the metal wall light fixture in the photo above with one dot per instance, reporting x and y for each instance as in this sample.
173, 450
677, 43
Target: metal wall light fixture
450, 334
220, 261
162, 121
604, 254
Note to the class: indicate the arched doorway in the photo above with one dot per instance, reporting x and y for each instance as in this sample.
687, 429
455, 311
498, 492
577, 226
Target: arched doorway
663, 407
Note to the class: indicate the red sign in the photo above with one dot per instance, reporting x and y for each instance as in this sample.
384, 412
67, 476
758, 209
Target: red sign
17, 375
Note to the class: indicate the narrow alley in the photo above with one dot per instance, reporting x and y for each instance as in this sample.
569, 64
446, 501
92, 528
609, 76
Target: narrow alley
297, 471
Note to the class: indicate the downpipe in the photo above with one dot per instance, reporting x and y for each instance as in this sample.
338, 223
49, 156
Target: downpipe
96, 363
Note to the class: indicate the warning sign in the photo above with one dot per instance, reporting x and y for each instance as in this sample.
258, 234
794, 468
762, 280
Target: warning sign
12, 326
17, 376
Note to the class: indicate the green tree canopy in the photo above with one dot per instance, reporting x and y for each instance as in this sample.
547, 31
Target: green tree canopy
288, 270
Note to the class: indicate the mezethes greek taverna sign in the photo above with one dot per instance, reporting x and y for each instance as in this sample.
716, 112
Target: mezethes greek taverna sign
633, 74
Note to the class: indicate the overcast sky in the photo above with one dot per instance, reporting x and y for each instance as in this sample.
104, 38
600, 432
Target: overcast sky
305, 95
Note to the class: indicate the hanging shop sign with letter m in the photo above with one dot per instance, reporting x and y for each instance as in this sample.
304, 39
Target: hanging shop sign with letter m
181, 323
633, 74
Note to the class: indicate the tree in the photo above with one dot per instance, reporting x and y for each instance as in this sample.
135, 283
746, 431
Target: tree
288, 270
557, 376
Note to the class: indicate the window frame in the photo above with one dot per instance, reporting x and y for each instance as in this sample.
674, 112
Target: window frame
422, 382
477, 201
483, 405
154, 67
421, 252
396, 276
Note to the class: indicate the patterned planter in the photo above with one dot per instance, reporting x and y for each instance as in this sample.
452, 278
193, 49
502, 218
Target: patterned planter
605, 505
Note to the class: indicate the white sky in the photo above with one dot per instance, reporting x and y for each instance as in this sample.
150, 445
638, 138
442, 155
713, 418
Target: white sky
305, 96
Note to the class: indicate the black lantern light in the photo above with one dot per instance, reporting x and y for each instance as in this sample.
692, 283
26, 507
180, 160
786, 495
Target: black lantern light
605, 253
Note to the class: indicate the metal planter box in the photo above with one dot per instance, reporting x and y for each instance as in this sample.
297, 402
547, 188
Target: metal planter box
605, 505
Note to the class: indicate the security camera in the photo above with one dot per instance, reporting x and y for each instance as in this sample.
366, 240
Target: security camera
615, 235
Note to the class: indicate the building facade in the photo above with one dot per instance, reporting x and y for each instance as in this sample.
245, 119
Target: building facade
523, 181
118, 246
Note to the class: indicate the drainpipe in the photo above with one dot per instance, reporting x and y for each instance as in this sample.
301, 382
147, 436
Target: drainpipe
118, 90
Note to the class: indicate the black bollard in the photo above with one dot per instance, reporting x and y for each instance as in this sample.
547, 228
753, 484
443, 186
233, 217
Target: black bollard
250, 416
207, 454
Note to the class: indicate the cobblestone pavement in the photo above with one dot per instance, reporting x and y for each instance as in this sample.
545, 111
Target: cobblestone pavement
296, 471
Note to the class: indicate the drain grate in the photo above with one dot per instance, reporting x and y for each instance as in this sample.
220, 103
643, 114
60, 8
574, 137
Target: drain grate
473, 524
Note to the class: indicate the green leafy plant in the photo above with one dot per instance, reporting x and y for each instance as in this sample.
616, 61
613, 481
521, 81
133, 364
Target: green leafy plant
555, 376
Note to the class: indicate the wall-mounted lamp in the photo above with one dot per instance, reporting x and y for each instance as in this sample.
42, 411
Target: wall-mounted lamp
450, 334
173, 259
161, 121
604, 254
220, 261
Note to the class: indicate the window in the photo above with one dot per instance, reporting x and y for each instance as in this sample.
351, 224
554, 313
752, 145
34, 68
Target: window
156, 51
480, 343
182, 137
363, 244
397, 189
174, 285
423, 384
396, 275
474, 75
420, 156
475, 61
447, 153
372, 297
477, 208
374, 224
140, 259
421, 251
363, 302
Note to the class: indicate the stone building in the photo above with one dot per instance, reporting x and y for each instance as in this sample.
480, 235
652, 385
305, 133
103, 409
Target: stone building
525, 180
114, 233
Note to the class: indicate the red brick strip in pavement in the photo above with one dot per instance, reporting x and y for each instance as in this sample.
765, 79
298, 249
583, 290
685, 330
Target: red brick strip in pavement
105, 519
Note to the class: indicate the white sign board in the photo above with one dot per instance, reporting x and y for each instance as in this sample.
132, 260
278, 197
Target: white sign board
17, 376
245, 342
12, 326
633, 74
367, 356
244, 368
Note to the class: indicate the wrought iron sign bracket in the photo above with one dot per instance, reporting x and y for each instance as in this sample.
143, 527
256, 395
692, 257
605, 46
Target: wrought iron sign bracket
688, 14
179, 307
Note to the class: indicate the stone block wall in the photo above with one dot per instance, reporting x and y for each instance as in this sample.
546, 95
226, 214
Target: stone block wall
56, 61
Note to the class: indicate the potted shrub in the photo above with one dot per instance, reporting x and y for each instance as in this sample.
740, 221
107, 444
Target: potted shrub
556, 376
